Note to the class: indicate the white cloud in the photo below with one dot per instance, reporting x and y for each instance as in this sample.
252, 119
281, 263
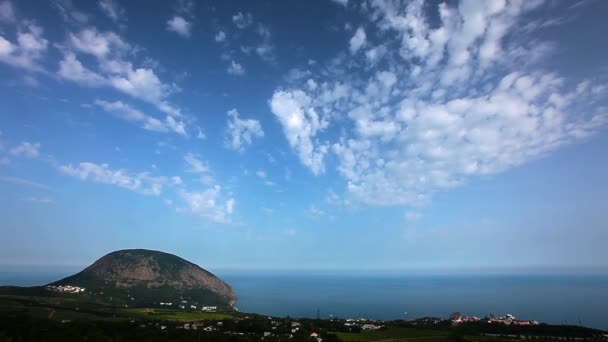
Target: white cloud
101, 173
112, 9
114, 71
143, 83
26, 149
70, 68
209, 204
128, 113
220, 36
27, 51
455, 100
7, 12
242, 131
196, 165
98, 44
341, 2
180, 26
300, 123
200, 135
357, 41
260, 173
235, 69
177, 180
242, 20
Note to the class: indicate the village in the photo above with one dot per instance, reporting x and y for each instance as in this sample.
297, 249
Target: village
66, 289
508, 319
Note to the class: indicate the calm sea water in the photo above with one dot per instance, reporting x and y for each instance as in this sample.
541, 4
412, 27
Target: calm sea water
569, 299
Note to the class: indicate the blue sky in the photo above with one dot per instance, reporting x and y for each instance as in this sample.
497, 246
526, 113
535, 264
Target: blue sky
325, 135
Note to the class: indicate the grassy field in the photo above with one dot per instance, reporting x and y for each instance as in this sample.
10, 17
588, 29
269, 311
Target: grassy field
175, 315
69, 309
396, 334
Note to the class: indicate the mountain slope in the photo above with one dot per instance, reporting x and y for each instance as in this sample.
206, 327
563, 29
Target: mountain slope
146, 277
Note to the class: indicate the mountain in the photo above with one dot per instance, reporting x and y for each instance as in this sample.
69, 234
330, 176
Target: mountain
140, 277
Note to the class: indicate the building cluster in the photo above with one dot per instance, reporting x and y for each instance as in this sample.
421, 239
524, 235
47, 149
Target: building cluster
362, 323
507, 319
66, 288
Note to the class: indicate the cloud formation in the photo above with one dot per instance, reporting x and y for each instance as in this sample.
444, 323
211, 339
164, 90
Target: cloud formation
209, 204
102, 173
26, 149
28, 49
113, 10
242, 131
425, 107
128, 113
242, 20
235, 69
114, 69
180, 26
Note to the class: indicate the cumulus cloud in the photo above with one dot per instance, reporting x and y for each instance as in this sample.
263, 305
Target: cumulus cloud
235, 69
28, 49
456, 99
180, 26
242, 131
70, 68
241, 20
26, 149
99, 44
301, 123
128, 113
102, 173
220, 36
209, 204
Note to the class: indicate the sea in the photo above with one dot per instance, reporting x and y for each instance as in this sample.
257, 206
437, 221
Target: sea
556, 299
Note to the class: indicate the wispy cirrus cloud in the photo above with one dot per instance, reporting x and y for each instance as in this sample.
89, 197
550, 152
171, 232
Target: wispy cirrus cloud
210, 203
114, 69
113, 10
147, 122
26, 149
141, 182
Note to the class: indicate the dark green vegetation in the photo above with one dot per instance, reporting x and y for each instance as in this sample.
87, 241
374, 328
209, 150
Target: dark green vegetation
69, 318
